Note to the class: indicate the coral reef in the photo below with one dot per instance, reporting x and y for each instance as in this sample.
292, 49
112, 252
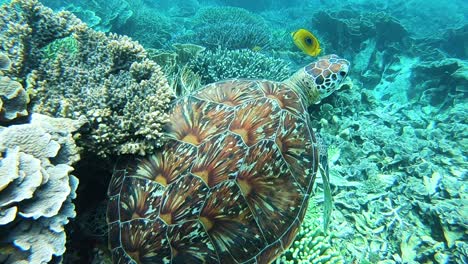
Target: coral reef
345, 31
397, 165
117, 125
414, 14
71, 71
36, 188
151, 27
27, 27
221, 64
228, 28
102, 15
260, 4
181, 78
401, 173
4, 62
311, 245
13, 99
449, 80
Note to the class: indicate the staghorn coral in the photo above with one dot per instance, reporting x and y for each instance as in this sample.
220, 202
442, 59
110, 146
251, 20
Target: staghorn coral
220, 64
71, 71
36, 188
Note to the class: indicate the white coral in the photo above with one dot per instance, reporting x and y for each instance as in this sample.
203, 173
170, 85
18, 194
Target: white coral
36, 188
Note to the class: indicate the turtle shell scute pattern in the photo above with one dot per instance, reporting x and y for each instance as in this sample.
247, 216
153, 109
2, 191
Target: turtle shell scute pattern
230, 185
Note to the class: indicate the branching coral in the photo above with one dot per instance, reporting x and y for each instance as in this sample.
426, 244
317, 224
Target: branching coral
36, 188
118, 125
228, 28
311, 245
27, 27
72, 71
221, 64
149, 26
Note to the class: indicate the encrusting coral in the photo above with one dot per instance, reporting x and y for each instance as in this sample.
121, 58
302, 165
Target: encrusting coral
72, 71
36, 188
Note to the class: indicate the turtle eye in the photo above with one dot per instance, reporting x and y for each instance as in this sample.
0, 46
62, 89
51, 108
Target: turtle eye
342, 73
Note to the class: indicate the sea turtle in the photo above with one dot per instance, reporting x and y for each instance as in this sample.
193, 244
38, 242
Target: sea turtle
232, 182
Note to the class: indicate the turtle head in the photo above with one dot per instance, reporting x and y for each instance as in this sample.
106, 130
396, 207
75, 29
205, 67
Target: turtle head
321, 78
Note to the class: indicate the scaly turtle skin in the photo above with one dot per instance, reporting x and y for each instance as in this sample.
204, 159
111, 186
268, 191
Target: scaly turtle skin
233, 181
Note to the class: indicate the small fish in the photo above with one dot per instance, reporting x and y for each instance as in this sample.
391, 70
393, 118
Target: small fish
256, 49
306, 41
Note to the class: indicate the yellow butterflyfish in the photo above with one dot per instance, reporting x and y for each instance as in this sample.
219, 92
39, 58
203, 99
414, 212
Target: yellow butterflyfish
306, 41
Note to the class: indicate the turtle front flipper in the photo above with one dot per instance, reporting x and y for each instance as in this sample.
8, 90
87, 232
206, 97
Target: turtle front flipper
324, 172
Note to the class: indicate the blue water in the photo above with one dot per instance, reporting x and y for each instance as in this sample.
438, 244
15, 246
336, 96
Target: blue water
397, 132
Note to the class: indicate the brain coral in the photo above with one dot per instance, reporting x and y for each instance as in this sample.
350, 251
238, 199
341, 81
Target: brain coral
36, 188
70, 70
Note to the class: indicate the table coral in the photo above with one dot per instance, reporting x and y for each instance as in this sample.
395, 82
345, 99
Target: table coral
150, 26
36, 188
